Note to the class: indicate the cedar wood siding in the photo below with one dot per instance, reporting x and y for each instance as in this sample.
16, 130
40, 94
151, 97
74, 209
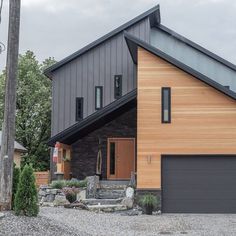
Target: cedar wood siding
203, 120
96, 67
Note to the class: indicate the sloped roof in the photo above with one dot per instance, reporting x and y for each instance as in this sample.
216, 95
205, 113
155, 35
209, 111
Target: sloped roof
17, 146
195, 46
153, 14
95, 120
133, 43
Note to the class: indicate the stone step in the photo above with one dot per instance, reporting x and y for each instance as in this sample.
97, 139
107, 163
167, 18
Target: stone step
110, 193
107, 208
95, 201
113, 184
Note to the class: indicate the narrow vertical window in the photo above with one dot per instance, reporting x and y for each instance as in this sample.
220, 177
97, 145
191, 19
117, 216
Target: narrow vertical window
117, 86
79, 109
98, 97
166, 105
112, 158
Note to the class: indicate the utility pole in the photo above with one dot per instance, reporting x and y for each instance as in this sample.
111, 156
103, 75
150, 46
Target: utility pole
8, 129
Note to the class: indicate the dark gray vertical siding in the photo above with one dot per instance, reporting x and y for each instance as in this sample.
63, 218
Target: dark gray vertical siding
97, 67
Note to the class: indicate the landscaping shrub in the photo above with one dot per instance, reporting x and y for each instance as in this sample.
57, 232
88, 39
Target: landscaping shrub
16, 177
26, 198
59, 184
70, 194
149, 202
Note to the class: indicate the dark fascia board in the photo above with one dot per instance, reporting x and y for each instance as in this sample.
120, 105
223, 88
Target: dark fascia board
133, 43
153, 14
92, 122
196, 46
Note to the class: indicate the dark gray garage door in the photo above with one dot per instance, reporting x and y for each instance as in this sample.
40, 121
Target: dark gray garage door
199, 184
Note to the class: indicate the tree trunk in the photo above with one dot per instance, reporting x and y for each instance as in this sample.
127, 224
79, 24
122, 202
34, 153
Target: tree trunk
8, 132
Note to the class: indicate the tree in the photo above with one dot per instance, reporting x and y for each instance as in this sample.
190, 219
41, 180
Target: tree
33, 109
26, 199
15, 181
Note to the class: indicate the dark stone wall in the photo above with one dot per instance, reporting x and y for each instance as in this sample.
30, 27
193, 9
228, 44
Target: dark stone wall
84, 151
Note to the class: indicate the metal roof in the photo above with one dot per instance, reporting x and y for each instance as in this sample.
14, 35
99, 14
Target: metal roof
153, 14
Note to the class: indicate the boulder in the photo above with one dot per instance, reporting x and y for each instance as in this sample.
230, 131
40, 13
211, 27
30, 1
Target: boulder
129, 193
92, 185
50, 198
81, 195
60, 200
128, 202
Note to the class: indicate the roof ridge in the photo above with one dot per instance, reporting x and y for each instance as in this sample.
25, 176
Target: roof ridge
154, 21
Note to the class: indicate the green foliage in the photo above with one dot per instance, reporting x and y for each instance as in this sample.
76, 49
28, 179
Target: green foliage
59, 184
16, 177
149, 200
26, 198
33, 109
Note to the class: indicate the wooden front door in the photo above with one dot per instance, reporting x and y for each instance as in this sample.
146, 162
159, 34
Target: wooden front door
120, 158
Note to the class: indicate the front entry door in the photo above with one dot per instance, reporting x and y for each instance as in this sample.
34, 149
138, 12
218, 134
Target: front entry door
121, 156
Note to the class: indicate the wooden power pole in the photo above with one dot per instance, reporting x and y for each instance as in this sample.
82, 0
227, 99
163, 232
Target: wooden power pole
8, 129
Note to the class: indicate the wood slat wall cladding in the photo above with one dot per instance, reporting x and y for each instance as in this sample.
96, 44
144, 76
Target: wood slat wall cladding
203, 120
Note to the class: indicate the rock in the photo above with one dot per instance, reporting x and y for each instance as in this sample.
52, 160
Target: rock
133, 212
42, 193
132, 182
60, 200
79, 205
129, 192
50, 198
159, 212
128, 202
81, 195
54, 191
92, 184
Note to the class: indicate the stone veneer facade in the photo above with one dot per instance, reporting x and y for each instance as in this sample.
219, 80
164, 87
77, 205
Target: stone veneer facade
84, 151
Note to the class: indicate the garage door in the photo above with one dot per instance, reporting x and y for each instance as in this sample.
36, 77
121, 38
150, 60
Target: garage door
199, 184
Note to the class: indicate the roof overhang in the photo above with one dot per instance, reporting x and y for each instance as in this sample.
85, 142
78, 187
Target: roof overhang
96, 120
154, 18
133, 44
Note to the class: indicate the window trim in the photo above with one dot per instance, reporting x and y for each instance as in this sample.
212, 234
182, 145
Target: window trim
120, 88
101, 98
79, 99
162, 105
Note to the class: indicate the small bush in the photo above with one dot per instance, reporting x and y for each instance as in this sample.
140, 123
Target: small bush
16, 177
26, 198
70, 194
149, 200
59, 184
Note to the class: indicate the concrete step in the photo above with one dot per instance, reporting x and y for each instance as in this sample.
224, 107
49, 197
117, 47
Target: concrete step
107, 208
95, 201
104, 193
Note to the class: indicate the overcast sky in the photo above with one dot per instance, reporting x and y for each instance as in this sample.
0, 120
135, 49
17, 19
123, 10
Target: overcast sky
58, 28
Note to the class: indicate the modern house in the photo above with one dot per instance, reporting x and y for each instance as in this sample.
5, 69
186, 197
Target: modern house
145, 100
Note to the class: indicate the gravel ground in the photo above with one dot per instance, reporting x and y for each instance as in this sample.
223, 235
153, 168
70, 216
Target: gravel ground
60, 221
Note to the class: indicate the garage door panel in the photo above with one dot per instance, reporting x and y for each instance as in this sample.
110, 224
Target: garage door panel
199, 184
206, 206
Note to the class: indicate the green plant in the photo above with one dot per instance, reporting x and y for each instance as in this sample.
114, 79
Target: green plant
70, 194
59, 184
149, 202
15, 182
26, 198
76, 183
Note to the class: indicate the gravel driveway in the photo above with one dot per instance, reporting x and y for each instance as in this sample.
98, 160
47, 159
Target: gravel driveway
60, 221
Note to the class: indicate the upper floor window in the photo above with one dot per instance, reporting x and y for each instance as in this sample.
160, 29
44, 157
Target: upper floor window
117, 86
166, 105
98, 97
79, 108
